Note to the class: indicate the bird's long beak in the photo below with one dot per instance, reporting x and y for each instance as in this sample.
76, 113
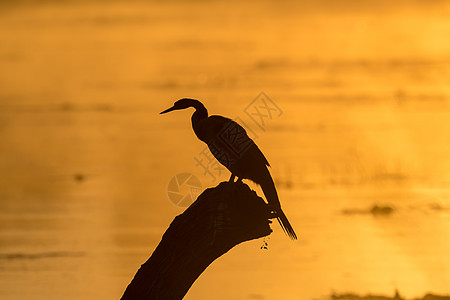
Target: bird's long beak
167, 110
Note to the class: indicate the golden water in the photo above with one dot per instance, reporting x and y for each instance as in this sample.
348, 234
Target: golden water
85, 158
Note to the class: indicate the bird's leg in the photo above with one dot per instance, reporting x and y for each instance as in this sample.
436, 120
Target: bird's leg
231, 178
239, 179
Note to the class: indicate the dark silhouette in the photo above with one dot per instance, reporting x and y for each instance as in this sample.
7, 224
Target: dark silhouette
233, 148
219, 219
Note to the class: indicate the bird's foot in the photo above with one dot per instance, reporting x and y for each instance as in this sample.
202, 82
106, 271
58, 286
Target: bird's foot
232, 178
273, 210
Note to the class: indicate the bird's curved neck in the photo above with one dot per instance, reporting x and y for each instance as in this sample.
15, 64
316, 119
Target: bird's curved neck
199, 114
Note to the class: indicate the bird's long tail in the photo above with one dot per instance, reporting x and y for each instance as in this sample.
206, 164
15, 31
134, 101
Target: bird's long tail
284, 222
271, 194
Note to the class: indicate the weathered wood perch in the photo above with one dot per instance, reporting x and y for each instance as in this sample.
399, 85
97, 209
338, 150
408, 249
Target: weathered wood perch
218, 220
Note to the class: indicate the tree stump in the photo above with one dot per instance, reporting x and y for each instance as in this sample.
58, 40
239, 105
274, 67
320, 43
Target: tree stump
219, 219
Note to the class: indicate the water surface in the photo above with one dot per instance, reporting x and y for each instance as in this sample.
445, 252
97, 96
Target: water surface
85, 158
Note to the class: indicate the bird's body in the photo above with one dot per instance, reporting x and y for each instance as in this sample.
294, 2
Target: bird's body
233, 148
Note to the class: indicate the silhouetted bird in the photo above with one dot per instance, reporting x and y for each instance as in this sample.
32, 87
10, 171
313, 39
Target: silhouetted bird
233, 148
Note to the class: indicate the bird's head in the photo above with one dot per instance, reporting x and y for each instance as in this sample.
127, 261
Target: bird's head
181, 104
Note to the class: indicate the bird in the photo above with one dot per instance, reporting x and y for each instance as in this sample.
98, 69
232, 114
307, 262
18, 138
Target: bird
232, 147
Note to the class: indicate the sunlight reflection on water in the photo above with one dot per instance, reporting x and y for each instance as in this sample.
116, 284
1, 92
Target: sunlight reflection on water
85, 158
